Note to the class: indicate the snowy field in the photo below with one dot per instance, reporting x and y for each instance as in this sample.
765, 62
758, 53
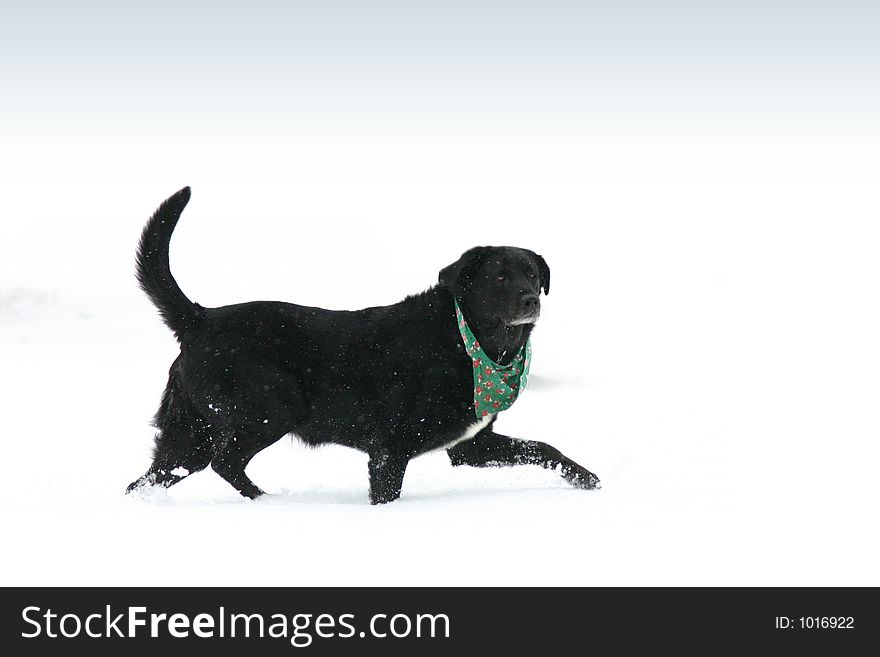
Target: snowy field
712, 335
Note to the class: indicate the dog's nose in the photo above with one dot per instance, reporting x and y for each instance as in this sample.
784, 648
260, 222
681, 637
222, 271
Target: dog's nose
530, 302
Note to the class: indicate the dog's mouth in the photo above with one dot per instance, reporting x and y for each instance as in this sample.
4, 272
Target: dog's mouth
524, 319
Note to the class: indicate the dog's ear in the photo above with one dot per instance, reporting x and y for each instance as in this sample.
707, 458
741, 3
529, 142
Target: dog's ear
460, 272
543, 271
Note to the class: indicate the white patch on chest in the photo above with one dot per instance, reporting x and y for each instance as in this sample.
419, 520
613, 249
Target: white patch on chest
470, 432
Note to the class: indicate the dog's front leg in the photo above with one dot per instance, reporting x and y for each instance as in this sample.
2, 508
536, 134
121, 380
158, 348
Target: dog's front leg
386, 475
490, 449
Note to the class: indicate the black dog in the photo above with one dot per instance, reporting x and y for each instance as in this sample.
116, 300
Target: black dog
392, 381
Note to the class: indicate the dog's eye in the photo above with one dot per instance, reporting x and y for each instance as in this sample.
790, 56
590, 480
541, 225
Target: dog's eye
500, 278
532, 275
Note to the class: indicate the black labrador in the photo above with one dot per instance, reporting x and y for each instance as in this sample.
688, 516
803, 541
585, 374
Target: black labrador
393, 381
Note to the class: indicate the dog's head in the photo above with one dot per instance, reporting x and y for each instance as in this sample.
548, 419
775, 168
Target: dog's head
499, 284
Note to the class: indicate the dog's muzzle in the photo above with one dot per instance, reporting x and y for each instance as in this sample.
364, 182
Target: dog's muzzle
530, 310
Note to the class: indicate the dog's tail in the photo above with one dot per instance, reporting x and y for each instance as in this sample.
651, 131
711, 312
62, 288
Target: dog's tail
154, 271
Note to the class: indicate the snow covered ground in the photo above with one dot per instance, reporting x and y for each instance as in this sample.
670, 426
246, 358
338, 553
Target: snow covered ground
711, 332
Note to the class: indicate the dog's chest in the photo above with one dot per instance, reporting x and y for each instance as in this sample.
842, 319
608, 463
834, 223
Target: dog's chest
470, 432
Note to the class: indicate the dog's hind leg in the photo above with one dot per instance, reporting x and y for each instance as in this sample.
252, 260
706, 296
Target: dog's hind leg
232, 460
184, 444
179, 452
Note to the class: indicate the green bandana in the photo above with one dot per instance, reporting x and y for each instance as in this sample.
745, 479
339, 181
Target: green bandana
496, 386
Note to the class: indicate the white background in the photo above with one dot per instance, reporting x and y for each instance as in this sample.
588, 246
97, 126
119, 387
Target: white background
703, 186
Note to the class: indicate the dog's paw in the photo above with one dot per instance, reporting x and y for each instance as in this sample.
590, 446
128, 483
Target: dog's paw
252, 492
582, 478
142, 486
150, 493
